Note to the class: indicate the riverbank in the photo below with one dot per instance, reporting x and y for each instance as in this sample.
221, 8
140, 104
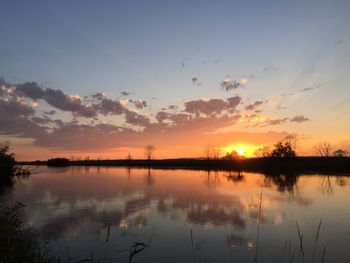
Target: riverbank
265, 165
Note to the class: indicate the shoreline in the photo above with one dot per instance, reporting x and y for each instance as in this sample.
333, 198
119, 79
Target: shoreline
265, 164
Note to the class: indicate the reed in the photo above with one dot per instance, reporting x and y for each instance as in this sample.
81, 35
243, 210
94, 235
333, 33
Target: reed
258, 229
301, 248
316, 240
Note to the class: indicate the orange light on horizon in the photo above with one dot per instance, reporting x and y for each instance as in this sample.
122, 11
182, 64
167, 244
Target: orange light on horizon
242, 149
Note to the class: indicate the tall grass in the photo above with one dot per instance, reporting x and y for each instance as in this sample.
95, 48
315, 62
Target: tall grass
258, 229
15, 244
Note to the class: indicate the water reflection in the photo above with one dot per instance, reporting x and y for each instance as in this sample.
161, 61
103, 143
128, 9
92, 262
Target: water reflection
76, 206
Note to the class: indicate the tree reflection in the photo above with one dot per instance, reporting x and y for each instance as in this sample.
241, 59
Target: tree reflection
284, 182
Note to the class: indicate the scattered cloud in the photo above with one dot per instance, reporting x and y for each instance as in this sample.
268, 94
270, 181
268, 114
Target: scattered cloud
195, 81
339, 42
299, 118
139, 104
91, 118
211, 106
125, 93
228, 84
254, 105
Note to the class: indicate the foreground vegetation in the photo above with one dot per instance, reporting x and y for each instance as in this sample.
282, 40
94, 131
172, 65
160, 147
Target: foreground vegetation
15, 243
8, 168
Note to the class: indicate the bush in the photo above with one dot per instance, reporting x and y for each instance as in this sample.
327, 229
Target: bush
16, 245
58, 162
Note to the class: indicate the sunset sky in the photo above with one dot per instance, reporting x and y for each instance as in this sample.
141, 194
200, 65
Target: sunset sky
105, 78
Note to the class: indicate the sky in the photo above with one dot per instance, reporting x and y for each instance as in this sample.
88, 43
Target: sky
104, 79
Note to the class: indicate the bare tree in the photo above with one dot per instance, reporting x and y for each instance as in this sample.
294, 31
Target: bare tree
149, 151
215, 152
207, 152
324, 149
292, 140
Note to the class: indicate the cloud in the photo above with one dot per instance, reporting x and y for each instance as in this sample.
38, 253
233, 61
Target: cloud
339, 42
173, 107
254, 105
299, 118
276, 121
228, 84
309, 88
139, 104
59, 100
269, 68
98, 95
109, 106
125, 93
211, 106
31, 90
55, 98
134, 118
52, 112
195, 81
196, 118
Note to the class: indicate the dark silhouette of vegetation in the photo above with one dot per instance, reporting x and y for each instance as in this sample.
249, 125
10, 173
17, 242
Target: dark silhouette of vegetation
8, 168
212, 152
284, 149
15, 244
149, 151
340, 153
263, 151
58, 162
233, 156
324, 149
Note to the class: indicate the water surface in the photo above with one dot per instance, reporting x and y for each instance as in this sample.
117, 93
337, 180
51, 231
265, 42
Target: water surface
184, 215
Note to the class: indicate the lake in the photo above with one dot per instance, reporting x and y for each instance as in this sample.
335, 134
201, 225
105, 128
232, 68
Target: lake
185, 215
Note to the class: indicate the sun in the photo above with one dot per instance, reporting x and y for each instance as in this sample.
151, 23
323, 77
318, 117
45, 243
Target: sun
243, 149
240, 151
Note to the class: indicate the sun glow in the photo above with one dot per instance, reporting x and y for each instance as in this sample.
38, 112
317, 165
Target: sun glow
241, 149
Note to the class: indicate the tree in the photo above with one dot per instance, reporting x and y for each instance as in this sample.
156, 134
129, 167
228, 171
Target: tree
283, 148
324, 149
340, 153
8, 168
231, 155
215, 152
149, 151
7, 160
129, 157
263, 151
207, 152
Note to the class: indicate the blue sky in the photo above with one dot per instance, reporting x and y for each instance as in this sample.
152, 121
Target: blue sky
155, 49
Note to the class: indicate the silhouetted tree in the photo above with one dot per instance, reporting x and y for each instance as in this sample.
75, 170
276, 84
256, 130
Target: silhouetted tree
207, 152
215, 152
263, 151
283, 149
340, 153
8, 168
149, 151
324, 149
7, 160
231, 155
129, 157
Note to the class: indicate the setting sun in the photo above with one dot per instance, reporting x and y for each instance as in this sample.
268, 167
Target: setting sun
242, 149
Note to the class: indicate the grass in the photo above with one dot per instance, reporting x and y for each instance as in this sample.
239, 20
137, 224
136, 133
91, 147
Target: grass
15, 243
17, 246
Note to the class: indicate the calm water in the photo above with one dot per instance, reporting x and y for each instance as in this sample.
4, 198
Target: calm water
73, 208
